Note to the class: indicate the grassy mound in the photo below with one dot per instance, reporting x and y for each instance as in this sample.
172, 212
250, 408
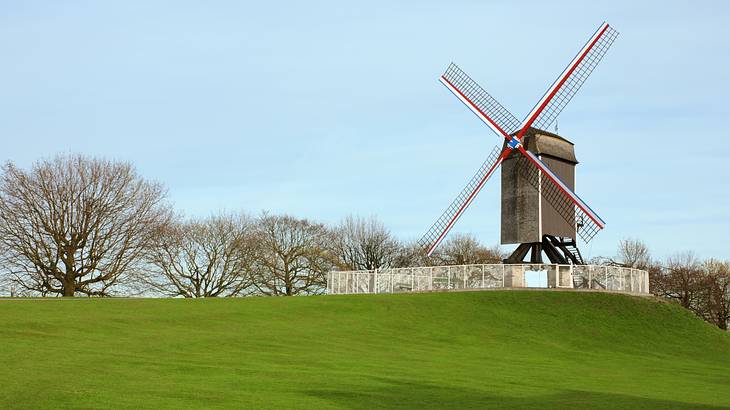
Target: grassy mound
473, 349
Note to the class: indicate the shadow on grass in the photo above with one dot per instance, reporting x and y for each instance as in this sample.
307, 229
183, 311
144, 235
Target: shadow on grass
424, 396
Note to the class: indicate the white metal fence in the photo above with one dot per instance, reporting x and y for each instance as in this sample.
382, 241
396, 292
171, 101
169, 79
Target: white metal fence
494, 276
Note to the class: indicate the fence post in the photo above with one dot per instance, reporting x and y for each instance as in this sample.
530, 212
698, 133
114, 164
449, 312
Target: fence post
522, 285
503, 274
375, 281
621, 280
430, 278
640, 282
482, 276
413, 280
466, 285
448, 277
571, 272
631, 281
605, 284
590, 277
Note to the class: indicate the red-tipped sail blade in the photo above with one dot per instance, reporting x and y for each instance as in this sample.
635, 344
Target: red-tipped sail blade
489, 110
570, 80
552, 103
446, 221
558, 195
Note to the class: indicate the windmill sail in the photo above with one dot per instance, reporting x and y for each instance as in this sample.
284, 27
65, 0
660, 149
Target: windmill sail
489, 110
446, 221
571, 79
585, 225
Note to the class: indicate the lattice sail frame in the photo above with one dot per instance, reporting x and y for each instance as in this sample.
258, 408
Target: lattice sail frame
544, 113
576, 79
485, 103
446, 221
585, 227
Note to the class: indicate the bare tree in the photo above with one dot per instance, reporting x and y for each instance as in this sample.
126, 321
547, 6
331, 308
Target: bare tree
703, 288
463, 249
364, 244
203, 258
292, 256
715, 294
74, 224
413, 254
680, 280
632, 253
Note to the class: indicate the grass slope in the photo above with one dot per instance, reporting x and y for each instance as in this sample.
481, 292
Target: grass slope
473, 349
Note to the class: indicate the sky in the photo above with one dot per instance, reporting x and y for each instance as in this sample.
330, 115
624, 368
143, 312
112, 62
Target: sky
326, 109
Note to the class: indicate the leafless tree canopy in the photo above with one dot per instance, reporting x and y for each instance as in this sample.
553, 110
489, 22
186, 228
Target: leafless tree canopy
702, 287
460, 249
364, 244
633, 253
715, 293
681, 280
292, 257
413, 254
76, 225
466, 250
203, 258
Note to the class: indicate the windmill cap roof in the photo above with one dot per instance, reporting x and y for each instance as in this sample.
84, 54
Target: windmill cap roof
549, 144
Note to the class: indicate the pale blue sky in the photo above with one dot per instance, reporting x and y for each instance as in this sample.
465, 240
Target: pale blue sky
323, 109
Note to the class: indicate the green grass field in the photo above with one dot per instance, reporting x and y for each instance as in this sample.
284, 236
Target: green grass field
463, 350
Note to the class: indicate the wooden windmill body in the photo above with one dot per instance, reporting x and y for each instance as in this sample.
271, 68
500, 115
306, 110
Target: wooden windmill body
528, 218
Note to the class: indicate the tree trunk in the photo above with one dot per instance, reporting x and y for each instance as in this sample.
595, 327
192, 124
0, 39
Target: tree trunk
69, 288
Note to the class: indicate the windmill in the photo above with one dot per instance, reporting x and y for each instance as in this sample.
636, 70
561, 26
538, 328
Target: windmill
540, 210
